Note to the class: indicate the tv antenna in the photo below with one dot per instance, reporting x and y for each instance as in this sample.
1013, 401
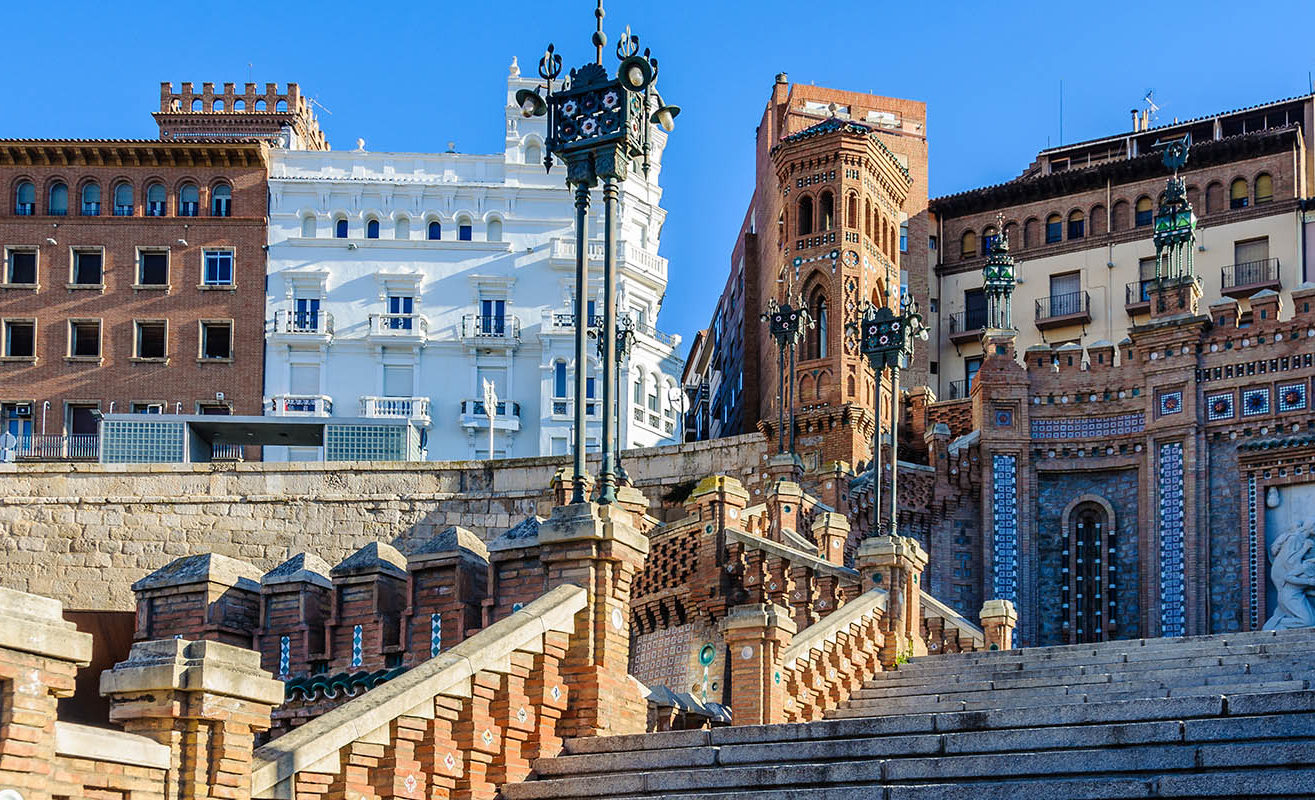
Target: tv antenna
1151, 107
316, 102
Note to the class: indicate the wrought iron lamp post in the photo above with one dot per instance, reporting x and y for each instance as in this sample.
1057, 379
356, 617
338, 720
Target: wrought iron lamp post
625, 342
786, 324
887, 341
598, 125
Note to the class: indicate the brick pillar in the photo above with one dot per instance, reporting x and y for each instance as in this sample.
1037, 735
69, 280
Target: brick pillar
40, 654
755, 636
597, 548
206, 596
895, 563
831, 531
634, 501
204, 701
784, 499
998, 619
785, 467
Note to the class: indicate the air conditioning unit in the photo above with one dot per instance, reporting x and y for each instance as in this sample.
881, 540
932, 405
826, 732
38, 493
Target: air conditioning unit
23, 409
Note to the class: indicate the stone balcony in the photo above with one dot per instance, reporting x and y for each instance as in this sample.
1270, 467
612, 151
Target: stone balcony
399, 328
415, 409
628, 258
302, 326
473, 415
299, 405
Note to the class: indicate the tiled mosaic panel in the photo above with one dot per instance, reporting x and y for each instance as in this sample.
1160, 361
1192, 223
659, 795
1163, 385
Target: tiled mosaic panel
1219, 406
1253, 557
1173, 620
1255, 402
663, 657
1291, 396
1004, 537
124, 442
1171, 403
1088, 427
365, 442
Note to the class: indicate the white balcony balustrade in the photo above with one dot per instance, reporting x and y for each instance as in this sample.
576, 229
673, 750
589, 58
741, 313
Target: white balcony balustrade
412, 408
300, 405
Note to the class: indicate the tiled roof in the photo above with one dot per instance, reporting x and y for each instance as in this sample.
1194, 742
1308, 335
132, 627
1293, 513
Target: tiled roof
848, 126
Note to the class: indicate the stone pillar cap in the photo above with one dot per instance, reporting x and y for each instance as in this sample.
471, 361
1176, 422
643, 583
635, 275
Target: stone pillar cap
757, 615
202, 568
374, 557
35, 624
829, 519
999, 608
577, 522
301, 568
724, 484
886, 550
785, 487
447, 543
193, 666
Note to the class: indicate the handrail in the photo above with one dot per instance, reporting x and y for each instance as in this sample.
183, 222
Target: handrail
930, 603
817, 634
326, 735
819, 565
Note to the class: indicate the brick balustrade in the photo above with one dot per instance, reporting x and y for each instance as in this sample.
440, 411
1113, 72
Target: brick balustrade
827, 662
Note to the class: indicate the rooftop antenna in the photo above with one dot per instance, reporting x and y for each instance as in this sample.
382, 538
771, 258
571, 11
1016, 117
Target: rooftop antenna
248, 72
316, 102
1151, 108
1061, 112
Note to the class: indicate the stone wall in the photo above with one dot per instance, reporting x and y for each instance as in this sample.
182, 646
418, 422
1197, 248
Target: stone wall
1227, 537
82, 533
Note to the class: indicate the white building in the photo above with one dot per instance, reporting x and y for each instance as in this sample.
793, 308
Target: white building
399, 282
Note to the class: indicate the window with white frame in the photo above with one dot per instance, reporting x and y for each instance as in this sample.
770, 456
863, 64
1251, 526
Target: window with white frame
21, 266
218, 268
216, 340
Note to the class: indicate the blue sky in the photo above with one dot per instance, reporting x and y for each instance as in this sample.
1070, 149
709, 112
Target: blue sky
413, 77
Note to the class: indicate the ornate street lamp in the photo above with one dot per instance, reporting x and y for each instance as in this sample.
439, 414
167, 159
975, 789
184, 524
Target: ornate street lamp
786, 324
625, 342
887, 341
597, 125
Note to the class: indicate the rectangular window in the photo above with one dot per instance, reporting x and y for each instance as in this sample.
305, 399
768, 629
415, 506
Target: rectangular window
904, 237
463, 233
931, 242
152, 267
492, 317
218, 268
84, 339
216, 340
150, 339
21, 267
400, 309
559, 445
20, 338
970, 367
304, 380
147, 408
88, 267
398, 381
1065, 294
974, 309
589, 388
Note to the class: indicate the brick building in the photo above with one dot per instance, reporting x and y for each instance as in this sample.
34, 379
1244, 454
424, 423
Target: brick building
880, 243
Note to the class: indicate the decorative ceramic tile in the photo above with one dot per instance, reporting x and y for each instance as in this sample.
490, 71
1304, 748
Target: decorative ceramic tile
435, 634
1173, 620
1219, 406
1004, 470
1253, 557
357, 650
1171, 403
1089, 427
1004, 418
1255, 402
285, 655
1292, 396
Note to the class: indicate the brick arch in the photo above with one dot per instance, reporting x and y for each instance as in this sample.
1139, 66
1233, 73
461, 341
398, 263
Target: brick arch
1031, 232
1121, 215
1096, 220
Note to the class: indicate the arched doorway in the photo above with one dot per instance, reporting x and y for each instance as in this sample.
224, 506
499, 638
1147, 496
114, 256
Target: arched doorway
1090, 553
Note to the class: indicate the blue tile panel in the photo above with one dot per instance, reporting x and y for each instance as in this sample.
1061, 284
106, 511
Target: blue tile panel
1172, 607
1004, 537
1253, 557
1219, 406
1089, 427
1291, 396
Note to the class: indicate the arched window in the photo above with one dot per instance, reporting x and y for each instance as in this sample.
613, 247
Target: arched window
340, 229
1214, 197
239, 105
968, 244
123, 199
435, 231
155, 200
1144, 212
308, 226
1237, 194
1264, 188
495, 230
189, 200
25, 199
91, 199
1011, 233
402, 229
372, 229
654, 402
221, 201
867, 217
1092, 553
1031, 234
58, 205
559, 378
533, 155
828, 211
805, 215
463, 230
260, 105
1054, 229
638, 396
1077, 224
1119, 219
819, 314
989, 237
851, 213
1098, 220
281, 105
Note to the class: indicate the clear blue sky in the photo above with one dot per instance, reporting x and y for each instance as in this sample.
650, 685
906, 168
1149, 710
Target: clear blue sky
413, 76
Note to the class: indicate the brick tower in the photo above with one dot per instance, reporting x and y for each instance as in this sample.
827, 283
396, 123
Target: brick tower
279, 118
841, 193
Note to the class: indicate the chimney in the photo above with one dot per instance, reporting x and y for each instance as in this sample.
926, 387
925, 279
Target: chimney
1136, 119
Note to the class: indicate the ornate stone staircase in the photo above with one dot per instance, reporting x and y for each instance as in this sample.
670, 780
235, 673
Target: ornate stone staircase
1214, 716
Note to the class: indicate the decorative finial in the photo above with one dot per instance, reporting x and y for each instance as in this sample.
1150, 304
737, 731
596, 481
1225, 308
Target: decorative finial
515, 69
1002, 240
600, 38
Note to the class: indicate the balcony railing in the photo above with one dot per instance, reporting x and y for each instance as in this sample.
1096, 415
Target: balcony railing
222, 451
416, 408
652, 332
300, 405
1137, 294
627, 255
1249, 277
567, 320
58, 447
967, 325
1063, 309
476, 408
316, 323
400, 325
506, 328
122, 211
959, 389
25, 209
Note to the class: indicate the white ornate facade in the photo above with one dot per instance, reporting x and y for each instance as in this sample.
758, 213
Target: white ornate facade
398, 282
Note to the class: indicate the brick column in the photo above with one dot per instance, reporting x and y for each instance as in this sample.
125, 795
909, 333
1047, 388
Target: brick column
207, 596
755, 636
895, 563
40, 654
202, 700
998, 619
831, 531
597, 548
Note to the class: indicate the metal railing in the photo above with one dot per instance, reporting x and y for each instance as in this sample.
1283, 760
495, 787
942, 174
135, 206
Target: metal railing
560, 320
1250, 273
401, 407
959, 389
1063, 305
122, 211
312, 322
1138, 292
476, 408
505, 327
652, 332
58, 447
25, 209
399, 325
967, 321
91, 209
223, 451
293, 405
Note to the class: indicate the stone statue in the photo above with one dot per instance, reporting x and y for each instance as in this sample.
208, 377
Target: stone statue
1292, 569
